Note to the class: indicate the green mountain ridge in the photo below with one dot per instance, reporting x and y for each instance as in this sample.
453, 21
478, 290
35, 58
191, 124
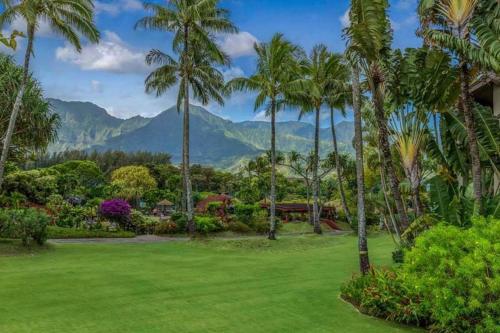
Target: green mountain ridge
214, 141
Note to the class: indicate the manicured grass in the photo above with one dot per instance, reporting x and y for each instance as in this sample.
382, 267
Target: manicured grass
68, 233
291, 285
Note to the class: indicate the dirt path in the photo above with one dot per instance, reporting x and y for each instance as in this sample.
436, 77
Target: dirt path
160, 239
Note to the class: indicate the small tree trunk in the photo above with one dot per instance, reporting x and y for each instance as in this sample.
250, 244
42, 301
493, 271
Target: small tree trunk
316, 218
386, 199
471, 136
17, 104
339, 170
272, 222
383, 136
364, 261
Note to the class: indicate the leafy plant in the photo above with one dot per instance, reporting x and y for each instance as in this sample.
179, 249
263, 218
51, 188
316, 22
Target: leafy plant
26, 224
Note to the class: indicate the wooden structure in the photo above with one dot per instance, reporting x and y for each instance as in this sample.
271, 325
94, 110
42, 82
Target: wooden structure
164, 207
284, 211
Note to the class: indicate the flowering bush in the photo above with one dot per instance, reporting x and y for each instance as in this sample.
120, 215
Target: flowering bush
115, 209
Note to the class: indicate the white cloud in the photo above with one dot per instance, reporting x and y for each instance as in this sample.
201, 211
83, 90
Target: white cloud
232, 72
344, 19
96, 86
43, 30
112, 54
261, 116
116, 7
238, 45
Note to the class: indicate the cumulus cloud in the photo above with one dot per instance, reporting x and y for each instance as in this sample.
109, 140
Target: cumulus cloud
112, 54
238, 45
116, 7
43, 30
261, 116
232, 72
344, 19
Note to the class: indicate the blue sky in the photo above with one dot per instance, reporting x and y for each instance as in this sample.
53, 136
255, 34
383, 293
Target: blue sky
111, 74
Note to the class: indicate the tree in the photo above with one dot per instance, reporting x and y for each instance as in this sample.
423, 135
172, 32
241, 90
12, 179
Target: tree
193, 23
70, 18
451, 24
36, 126
132, 182
369, 43
338, 100
314, 88
276, 69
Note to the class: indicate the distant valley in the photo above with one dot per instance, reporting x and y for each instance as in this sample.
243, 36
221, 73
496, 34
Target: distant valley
214, 140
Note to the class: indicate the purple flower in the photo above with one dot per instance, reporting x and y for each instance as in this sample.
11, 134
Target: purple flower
115, 208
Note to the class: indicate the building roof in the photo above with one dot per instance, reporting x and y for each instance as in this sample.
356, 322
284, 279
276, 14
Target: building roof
482, 89
165, 202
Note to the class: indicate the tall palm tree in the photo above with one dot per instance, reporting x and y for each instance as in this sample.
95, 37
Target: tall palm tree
69, 18
193, 23
276, 69
314, 89
452, 23
369, 39
338, 100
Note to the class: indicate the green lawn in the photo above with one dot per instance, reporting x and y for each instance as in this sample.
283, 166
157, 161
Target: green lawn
291, 285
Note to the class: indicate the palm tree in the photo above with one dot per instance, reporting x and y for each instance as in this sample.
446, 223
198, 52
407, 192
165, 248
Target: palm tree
369, 41
338, 101
276, 69
312, 93
193, 23
69, 18
456, 22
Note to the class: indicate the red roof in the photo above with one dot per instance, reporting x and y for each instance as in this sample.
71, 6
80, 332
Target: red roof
202, 205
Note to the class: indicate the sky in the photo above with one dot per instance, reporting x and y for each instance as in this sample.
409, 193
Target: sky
111, 74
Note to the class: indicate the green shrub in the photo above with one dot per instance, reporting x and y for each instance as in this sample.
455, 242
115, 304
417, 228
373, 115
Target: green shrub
180, 220
245, 213
72, 217
143, 224
166, 228
68, 233
25, 224
213, 207
239, 227
206, 224
449, 281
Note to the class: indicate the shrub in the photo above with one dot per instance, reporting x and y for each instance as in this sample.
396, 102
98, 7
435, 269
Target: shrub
180, 221
68, 233
213, 207
449, 281
240, 227
206, 224
245, 213
26, 224
117, 210
165, 228
143, 224
71, 217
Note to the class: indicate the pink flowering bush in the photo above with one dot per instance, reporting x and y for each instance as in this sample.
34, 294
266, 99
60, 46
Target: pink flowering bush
116, 209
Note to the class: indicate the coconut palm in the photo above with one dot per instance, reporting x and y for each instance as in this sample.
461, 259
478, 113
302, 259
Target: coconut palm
10, 41
193, 23
452, 24
312, 93
69, 18
369, 43
276, 69
338, 100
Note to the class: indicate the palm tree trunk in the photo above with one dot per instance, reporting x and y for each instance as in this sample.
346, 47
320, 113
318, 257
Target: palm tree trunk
383, 136
471, 136
17, 104
185, 146
316, 218
339, 170
386, 199
364, 261
272, 222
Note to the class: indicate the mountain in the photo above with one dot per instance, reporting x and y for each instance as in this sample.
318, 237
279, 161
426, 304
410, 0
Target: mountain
214, 141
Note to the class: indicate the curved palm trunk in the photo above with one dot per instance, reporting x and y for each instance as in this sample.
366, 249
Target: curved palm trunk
17, 104
364, 261
272, 222
383, 136
316, 218
471, 136
339, 170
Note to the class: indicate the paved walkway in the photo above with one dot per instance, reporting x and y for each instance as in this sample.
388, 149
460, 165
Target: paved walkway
159, 239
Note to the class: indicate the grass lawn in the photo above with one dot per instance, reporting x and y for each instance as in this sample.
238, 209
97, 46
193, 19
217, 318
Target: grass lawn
290, 285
